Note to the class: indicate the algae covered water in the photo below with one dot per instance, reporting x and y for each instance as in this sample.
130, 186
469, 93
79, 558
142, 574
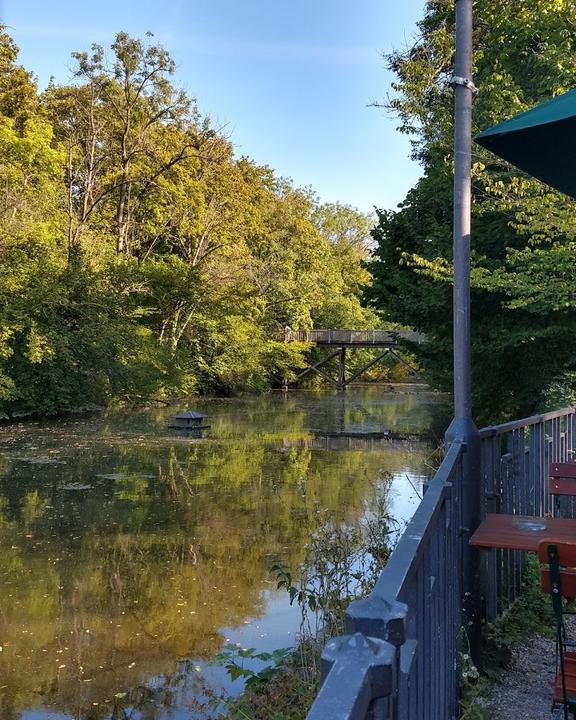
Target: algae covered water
129, 554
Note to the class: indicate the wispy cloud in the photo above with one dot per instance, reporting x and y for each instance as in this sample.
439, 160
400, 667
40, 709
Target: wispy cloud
87, 34
62, 32
170, 33
281, 52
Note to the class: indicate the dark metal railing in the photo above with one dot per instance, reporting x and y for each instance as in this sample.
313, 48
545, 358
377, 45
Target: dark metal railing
399, 660
407, 629
515, 458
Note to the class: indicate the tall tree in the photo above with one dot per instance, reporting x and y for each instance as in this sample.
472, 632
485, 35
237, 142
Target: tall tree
523, 318
129, 100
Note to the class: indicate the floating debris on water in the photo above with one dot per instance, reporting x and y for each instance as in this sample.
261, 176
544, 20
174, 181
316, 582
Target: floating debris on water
41, 460
123, 476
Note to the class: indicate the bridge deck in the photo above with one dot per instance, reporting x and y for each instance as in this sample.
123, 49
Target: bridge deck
353, 338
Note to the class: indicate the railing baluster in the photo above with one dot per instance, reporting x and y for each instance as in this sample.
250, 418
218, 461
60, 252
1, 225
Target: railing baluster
506, 554
535, 469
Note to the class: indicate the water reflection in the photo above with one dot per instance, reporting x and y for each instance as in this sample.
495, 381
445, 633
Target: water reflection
126, 550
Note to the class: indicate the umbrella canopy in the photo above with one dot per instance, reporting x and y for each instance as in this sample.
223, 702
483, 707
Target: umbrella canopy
541, 141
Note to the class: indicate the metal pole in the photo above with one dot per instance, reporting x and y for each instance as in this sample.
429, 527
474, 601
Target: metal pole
462, 428
462, 205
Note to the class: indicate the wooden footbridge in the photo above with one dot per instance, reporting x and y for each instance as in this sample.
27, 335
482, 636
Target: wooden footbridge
343, 340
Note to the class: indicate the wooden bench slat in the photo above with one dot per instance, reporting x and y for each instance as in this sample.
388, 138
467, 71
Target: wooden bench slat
562, 470
562, 486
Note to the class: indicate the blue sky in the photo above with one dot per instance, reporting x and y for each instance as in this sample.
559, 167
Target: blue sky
289, 81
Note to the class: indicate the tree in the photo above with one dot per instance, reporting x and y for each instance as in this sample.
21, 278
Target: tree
345, 226
523, 318
347, 231
68, 338
18, 96
117, 113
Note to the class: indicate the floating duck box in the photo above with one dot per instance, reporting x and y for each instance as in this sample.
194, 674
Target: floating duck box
189, 420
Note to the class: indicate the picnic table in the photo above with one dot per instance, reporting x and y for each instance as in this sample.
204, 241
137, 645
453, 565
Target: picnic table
522, 532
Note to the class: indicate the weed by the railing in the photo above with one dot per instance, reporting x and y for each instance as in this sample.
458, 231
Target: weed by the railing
473, 701
232, 658
530, 614
287, 695
473, 687
342, 562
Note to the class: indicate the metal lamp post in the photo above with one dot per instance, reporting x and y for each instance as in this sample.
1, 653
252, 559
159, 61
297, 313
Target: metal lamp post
462, 429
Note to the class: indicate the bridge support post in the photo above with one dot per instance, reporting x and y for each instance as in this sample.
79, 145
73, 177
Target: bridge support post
341, 368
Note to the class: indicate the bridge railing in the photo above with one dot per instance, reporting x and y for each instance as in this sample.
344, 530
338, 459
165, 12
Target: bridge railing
352, 337
400, 660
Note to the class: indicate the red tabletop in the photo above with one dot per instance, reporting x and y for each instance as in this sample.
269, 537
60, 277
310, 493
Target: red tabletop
501, 531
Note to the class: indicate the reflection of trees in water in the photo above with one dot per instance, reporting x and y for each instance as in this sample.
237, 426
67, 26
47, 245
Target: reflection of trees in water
182, 686
108, 587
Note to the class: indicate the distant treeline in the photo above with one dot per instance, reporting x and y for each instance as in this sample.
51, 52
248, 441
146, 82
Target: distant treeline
139, 255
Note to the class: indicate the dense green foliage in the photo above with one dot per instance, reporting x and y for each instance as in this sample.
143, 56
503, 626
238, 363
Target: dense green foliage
140, 257
523, 244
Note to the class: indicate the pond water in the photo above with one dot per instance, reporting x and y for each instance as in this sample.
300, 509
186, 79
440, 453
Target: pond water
129, 555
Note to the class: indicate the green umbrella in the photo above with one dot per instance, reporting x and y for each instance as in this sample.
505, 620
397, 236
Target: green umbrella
541, 141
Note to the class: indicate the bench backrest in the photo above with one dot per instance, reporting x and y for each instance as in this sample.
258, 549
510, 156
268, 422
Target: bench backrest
562, 479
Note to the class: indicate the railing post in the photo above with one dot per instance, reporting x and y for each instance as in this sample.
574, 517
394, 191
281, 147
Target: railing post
490, 461
537, 476
356, 671
380, 618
